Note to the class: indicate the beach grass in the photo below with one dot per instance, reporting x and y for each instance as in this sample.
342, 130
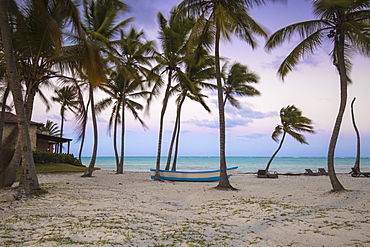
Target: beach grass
55, 167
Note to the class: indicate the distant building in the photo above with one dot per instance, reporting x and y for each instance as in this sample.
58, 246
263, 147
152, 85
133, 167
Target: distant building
40, 141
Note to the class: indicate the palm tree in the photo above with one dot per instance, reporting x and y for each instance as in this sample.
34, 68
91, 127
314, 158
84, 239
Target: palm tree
199, 69
132, 60
99, 25
28, 181
223, 19
173, 35
235, 83
358, 152
51, 128
346, 24
67, 98
37, 38
292, 122
121, 93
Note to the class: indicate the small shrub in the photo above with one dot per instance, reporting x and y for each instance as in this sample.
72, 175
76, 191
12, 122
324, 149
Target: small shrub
45, 157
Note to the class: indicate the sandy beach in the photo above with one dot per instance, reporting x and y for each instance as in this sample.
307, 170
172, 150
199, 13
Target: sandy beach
132, 210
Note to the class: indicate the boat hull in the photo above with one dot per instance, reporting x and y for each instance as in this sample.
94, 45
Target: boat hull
192, 176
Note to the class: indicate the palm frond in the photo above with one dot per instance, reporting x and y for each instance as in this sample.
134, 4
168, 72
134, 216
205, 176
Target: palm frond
304, 48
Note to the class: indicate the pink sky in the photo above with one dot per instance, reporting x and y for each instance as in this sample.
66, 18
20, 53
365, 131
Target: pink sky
313, 87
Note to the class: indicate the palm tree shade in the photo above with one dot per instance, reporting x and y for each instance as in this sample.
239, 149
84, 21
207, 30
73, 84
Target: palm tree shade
345, 23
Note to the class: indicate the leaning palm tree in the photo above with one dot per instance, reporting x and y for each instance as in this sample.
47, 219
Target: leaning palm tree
236, 82
358, 148
68, 99
223, 19
292, 122
346, 24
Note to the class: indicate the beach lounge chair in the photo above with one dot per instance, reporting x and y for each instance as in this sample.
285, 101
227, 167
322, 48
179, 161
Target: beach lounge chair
311, 173
261, 174
356, 173
322, 171
264, 174
273, 175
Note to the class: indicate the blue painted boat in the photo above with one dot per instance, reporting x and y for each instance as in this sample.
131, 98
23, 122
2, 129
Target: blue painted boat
192, 176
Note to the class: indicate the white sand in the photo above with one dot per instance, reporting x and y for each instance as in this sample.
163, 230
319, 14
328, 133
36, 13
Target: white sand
132, 210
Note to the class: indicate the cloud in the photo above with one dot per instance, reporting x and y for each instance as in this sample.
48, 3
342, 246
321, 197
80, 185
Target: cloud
310, 60
234, 118
252, 136
145, 12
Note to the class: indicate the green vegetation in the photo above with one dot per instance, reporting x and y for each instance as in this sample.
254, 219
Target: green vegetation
58, 167
45, 158
55, 167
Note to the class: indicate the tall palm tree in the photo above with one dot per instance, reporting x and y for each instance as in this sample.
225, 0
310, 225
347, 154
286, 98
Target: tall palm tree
199, 68
67, 98
292, 122
346, 24
37, 37
173, 35
222, 18
28, 181
122, 99
132, 60
235, 83
101, 28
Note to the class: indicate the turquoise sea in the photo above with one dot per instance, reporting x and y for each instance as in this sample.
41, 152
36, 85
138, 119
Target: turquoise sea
245, 164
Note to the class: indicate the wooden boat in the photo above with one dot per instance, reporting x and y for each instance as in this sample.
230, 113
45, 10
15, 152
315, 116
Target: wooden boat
192, 176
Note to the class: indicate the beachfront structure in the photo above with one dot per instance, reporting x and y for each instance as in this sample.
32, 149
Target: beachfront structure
40, 141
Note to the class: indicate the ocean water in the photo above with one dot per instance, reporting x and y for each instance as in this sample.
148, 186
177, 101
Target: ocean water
245, 164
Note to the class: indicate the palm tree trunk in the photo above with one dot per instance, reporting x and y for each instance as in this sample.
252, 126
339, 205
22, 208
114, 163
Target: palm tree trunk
337, 186
115, 139
174, 164
120, 167
178, 120
2, 116
61, 131
173, 138
358, 153
224, 182
30, 98
174, 135
83, 131
90, 169
277, 150
10, 156
28, 181
160, 134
